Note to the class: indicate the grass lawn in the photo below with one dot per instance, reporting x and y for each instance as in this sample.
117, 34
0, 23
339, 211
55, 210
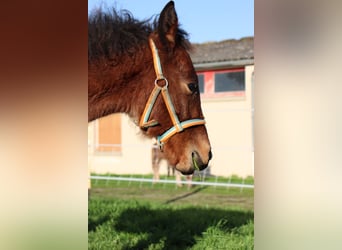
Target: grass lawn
124, 215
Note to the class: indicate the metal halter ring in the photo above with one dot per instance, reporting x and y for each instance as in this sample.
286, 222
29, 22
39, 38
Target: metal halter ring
162, 87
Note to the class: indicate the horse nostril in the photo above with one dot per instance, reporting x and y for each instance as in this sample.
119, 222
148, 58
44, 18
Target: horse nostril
210, 155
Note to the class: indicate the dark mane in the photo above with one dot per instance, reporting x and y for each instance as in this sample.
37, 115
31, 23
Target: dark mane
112, 34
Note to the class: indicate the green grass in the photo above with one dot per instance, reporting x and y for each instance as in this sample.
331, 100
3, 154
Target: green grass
126, 215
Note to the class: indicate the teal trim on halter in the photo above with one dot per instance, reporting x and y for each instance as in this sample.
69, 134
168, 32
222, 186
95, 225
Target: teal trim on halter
171, 110
173, 130
148, 109
177, 125
156, 61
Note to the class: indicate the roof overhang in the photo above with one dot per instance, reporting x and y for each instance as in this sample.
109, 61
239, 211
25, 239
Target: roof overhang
223, 64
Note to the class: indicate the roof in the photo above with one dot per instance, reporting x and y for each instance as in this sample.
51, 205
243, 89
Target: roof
224, 52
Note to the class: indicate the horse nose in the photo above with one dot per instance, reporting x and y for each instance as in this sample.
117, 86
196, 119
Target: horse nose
210, 155
197, 161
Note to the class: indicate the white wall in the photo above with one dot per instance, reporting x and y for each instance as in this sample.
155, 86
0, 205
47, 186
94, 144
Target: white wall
135, 156
229, 124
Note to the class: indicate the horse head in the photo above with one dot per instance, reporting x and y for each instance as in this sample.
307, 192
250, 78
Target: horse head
145, 71
174, 115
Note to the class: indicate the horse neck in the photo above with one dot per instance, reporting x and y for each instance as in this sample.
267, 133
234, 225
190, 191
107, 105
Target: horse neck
119, 88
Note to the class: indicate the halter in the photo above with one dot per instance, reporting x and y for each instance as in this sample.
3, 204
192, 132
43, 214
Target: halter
177, 125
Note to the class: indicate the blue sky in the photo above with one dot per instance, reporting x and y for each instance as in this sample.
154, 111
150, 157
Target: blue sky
205, 21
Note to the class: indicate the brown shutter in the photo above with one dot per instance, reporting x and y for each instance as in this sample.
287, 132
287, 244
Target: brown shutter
109, 133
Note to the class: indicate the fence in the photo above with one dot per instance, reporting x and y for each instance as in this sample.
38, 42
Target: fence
167, 181
200, 178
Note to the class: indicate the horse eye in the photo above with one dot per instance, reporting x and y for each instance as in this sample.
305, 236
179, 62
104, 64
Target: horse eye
193, 87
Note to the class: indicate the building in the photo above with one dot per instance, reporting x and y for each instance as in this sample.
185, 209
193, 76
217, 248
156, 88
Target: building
225, 71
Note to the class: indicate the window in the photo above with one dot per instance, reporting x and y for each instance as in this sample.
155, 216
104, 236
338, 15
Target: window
230, 81
222, 83
109, 134
201, 82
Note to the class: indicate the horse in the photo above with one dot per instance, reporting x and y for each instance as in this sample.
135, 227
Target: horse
157, 157
143, 69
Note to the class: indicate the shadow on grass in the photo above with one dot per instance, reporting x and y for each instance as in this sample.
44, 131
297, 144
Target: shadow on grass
178, 228
94, 222
185, 195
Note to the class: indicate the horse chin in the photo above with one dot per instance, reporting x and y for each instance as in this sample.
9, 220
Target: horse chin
187, 165
187, 157
190, 171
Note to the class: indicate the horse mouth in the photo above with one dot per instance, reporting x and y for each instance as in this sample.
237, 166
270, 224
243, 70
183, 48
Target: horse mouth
194, 162
197, 164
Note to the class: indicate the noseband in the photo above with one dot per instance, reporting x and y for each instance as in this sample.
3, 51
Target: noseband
177, 125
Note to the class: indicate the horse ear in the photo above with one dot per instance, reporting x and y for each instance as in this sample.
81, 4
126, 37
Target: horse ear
168, 23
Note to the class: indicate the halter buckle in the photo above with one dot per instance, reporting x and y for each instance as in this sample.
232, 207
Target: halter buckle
160, 79
160, 144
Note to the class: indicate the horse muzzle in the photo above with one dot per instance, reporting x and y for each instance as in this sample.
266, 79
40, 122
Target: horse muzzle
197, 163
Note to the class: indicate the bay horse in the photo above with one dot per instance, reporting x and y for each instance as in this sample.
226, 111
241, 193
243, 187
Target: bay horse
143, 69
